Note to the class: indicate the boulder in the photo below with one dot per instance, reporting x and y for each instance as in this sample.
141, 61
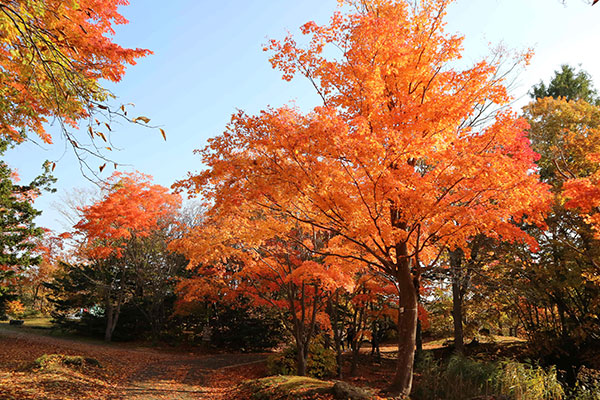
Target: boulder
345, 391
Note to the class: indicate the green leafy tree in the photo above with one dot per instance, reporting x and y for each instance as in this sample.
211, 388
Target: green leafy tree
554, 290
17, 228
568, 83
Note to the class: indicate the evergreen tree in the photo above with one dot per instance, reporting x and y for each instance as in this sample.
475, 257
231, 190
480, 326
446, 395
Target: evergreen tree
17, 227
567, 83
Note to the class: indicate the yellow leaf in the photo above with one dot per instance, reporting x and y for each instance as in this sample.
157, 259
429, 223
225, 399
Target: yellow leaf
162, 132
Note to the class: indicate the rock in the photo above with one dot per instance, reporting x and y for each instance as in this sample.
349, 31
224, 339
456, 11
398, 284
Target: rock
345, 391
16, 322
93, 362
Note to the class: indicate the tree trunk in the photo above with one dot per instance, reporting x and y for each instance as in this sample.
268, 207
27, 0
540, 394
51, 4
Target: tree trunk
338, 355
108, 310
112, 317
419, 339
407, 330
457, 316
301, 359
375, 332
337, 337
354, 362
457, 311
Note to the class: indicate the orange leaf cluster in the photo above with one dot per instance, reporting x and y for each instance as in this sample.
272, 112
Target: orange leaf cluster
132, 206
391, 156
53, 54
584, 194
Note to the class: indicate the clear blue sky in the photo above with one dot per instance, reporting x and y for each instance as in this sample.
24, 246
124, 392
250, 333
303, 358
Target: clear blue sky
208, 62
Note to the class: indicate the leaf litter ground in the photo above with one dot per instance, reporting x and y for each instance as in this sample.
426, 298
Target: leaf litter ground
125, 372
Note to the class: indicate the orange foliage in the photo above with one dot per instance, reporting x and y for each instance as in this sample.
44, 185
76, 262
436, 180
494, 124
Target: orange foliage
53, 54
584, 194
393, 165
392, 131
132, 206
15, 308
49, 248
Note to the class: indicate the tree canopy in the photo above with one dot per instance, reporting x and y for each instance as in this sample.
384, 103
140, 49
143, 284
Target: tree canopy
54, 55
390, 165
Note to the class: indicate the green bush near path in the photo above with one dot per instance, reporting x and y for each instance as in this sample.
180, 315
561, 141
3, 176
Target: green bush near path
463, 378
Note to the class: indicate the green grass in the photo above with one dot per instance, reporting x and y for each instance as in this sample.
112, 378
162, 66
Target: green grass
34, 323
43, 327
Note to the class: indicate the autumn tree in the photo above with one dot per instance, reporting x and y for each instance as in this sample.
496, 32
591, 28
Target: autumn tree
359, 310
266, 258
18, 232
50, 249
584, 194
119, 239
53, 58
556, 288
388, 164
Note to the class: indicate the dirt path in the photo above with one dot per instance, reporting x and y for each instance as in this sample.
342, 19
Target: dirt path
137, 373
187, 378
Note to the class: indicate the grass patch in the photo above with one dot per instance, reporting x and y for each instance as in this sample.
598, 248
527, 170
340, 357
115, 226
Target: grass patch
39, 323
52, 361
286, 387
33, 323
464, 378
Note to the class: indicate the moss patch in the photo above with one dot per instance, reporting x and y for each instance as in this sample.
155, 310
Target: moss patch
50, 361
286, 387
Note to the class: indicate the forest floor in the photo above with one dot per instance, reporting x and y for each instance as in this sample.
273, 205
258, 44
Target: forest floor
126, 371
137, 371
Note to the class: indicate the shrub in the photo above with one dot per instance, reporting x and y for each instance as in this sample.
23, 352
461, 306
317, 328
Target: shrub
522, 382
15, 309
52, 360
460, 378
245, 328
587, 386
283, 363
321, 361
464, 378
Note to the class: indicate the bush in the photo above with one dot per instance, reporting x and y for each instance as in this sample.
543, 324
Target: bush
522, 382
283, 363
245, 328
464, 378
52, 360
587, 386
15, 309
461, 378
321, 362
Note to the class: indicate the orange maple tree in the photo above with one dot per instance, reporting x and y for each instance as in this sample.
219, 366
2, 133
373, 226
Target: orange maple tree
132, 208
53, 56
274, 268
391, 165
